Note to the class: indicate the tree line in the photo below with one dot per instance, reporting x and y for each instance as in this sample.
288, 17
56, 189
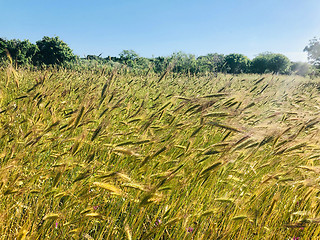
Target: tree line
53, 51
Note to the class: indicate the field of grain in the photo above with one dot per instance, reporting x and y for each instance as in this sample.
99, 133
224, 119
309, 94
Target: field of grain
113, 155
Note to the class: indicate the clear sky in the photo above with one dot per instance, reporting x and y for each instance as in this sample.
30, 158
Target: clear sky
161, 27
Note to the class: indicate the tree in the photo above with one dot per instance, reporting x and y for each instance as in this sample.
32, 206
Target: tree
270, 62
53, 51
278, 63
3, 49
313, 50
183, 63
160, 64
142, 63
3, 45
237, 63
259, 64
21, 52
128, 57
212, 62
133, 60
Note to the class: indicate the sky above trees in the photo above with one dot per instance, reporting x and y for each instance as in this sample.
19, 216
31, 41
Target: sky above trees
159, 28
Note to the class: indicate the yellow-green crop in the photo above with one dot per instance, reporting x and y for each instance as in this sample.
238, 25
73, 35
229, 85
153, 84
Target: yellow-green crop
113, 155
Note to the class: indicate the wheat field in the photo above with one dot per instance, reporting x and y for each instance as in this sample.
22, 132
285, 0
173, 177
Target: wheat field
114, 155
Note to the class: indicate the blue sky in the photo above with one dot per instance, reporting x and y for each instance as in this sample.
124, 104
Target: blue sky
161, 27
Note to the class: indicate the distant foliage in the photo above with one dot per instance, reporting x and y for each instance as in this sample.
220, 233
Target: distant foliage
183, 63
128, 56
213, 62
278, 63
313, 50
53, 51
237, 63
160, 64
131, 59
95, 57
259, 64
21, 52
270, 63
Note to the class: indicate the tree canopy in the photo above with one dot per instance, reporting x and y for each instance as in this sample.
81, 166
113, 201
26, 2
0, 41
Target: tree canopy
53, 51
313, 50
21, 52
270, 62
237, 63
